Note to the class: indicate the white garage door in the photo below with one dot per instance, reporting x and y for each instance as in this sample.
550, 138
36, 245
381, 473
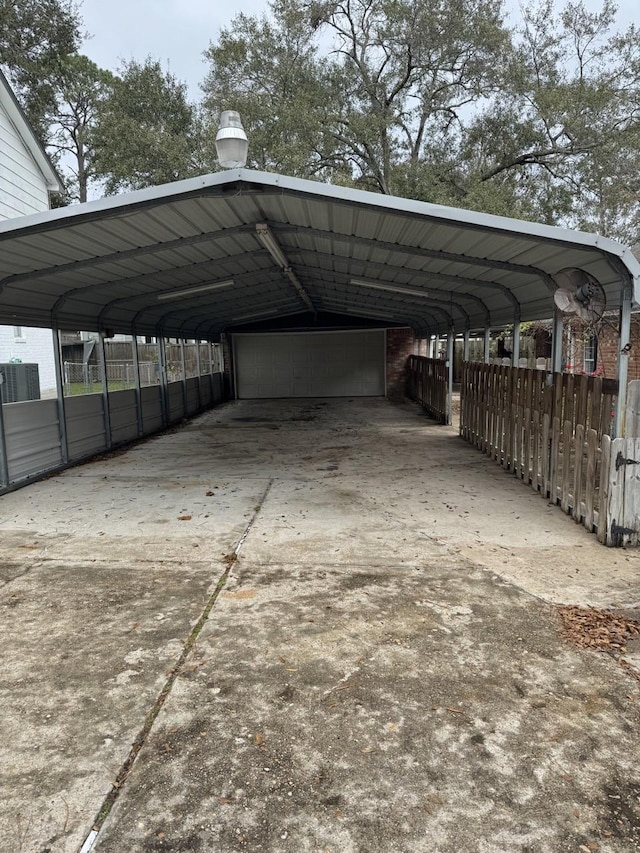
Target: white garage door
318, 364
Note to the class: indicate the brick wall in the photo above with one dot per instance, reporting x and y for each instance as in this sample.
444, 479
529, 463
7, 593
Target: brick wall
608, 342
400, 345
608, 350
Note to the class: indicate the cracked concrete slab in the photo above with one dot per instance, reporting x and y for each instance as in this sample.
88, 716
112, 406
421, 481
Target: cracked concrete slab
386, 646
421, 709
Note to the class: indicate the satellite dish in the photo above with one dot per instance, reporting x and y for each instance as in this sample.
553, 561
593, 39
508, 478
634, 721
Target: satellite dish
579, 293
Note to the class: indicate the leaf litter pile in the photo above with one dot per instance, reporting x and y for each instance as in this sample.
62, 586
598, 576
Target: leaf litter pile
600, 630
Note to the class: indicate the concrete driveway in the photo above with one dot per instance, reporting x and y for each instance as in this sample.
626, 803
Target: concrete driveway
308, 626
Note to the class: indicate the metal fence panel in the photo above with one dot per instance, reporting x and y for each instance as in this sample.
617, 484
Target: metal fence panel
192, 396
151, 402
206, 395
176, 401
85, 425
123, 415
32, 434
218, 387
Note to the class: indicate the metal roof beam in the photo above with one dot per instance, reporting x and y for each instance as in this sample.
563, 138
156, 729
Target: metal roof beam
123, 299
493, 285
125, 255
227, 319
383, 311
423, 299
419, 251
265, 236
435, 306
154, 277
372, 315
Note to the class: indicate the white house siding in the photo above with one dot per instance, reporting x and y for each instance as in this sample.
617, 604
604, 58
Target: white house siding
31, 346
23, 189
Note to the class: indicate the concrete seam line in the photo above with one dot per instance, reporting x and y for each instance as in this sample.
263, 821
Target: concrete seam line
151, 716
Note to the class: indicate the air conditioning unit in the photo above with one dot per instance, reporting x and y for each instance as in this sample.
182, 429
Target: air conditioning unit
19, 382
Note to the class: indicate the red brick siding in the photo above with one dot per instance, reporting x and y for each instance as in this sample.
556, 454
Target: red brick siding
608, 343
400, 345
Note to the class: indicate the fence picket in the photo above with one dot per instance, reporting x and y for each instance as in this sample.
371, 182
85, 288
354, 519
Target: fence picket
577, 474
555, 460
590, 485
567, 441
603, 503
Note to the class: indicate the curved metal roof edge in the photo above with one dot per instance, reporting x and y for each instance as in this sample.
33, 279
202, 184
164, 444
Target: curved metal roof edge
454, 215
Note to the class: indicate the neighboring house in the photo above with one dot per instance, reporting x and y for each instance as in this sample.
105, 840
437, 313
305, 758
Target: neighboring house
27, 180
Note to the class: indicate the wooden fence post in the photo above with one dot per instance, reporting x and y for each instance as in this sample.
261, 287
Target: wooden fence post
632, 412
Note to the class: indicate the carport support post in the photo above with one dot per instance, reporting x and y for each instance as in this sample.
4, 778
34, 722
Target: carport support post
515, 355
466, 345
199, 369
62, 416
556, 344
487, 342
4, 462
184, 378
164, 399
432, 347
623, 359
210, 351
105, 390
136, 372
450, 338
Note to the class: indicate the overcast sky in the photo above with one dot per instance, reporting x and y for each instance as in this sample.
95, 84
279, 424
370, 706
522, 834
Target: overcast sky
178, 31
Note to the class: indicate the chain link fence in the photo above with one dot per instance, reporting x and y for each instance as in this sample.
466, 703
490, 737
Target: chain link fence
86, 378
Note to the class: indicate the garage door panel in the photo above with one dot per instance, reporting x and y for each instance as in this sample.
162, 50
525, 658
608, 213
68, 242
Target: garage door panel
332, 364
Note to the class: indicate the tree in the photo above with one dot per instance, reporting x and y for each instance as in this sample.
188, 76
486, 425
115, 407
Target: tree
147, 131
269, 70
84, 91
565, 125
409, 71
398, 71
36, 37
442, 101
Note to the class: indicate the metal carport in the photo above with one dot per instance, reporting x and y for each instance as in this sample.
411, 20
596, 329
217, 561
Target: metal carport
194, 259
159, 261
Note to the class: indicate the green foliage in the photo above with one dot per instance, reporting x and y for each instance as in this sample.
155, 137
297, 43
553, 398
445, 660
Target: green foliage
438, 100
84, 90
147, 130
442, 101
268, 70
36, 38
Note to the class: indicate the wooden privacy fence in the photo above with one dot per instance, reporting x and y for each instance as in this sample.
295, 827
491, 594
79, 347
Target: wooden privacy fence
550, 430
427, 384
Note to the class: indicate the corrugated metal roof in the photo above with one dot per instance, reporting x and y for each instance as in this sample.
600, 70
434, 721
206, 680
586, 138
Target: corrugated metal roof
186, 259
